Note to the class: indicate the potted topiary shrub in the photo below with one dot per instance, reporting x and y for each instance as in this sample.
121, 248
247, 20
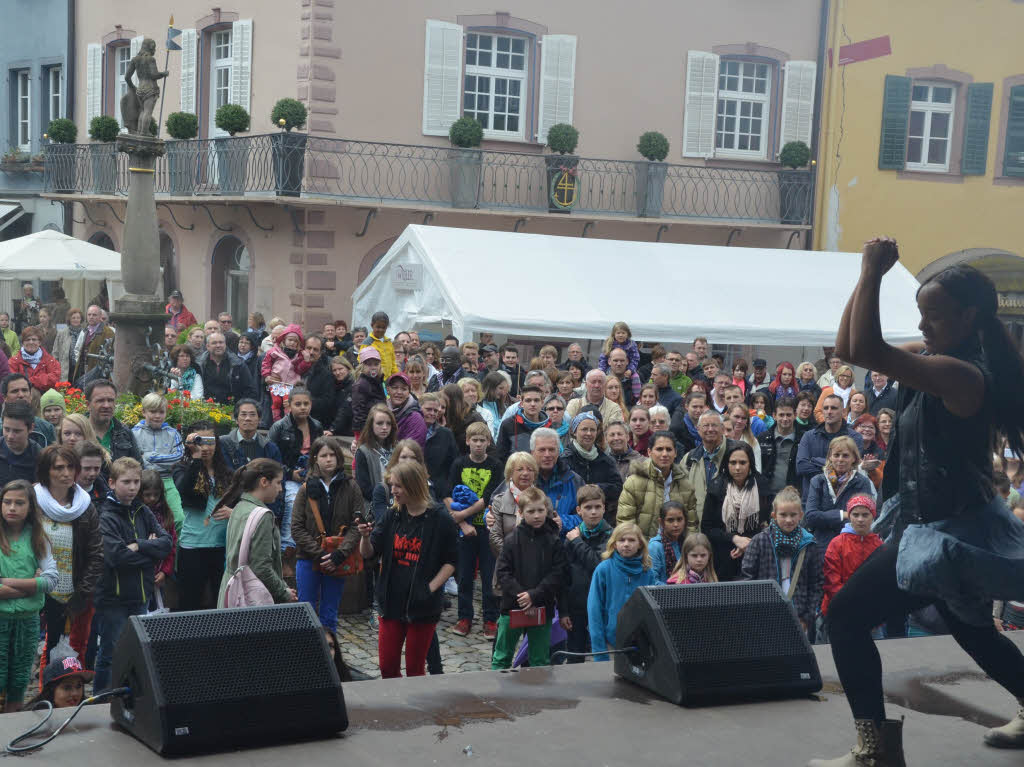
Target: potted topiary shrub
465, 162
650, 174
794, 184
103, 131
62, 155
288, 149
232, 153
182, 152
563, 178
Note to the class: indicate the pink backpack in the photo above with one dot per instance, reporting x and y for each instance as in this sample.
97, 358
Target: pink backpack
244, 589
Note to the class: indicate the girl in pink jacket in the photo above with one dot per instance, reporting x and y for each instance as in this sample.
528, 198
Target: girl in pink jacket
282, 367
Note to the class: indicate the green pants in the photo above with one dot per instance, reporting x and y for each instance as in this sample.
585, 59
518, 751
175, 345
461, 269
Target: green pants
19, 637
508, 637
174, 503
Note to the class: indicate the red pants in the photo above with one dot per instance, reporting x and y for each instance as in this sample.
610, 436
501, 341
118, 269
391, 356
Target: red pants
415, 636
277, 406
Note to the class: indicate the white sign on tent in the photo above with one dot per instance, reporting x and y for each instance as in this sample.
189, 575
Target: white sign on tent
407, 276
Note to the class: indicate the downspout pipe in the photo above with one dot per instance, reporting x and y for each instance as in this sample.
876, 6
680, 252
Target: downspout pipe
816, 115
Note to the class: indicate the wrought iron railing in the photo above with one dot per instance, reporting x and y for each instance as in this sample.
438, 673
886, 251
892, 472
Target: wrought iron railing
372, 172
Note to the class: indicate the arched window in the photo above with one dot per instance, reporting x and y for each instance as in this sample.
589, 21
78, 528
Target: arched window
230, 284
103, 240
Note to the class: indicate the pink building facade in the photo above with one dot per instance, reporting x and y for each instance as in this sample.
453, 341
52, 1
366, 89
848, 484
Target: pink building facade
383, 82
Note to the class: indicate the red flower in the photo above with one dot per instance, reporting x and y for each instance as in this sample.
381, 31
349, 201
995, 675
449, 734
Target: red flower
187, 394
175, 401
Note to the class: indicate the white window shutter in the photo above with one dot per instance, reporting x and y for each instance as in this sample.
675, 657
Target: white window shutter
557, 81
797, 102
701, 98
135, 46
188, 71
93, 82
241, 63
442, 77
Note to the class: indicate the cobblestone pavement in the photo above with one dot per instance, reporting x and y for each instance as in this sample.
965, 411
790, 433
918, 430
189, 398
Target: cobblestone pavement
468, 653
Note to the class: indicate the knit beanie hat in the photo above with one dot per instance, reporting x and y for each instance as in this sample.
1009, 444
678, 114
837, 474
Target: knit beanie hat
52, 398
862, 500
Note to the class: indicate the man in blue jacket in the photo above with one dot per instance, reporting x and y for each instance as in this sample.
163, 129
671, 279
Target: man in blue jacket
813, 450
880, 394
661, 376
554, 477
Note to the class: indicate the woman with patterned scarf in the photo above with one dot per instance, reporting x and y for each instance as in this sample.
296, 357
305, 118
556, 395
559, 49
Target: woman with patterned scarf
839, 481
737, 507
787, 554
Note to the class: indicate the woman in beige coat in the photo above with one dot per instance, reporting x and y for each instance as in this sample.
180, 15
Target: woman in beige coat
644, 490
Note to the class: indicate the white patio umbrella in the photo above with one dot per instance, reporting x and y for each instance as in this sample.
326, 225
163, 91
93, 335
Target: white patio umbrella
50, 255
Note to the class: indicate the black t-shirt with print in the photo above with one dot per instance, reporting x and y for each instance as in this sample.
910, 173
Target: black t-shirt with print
482, 478
407, 545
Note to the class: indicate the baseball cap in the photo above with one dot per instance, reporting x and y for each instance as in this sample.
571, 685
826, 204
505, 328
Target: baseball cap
401, 377
369, 353
760, 363
63, 668
175, 294
488, 349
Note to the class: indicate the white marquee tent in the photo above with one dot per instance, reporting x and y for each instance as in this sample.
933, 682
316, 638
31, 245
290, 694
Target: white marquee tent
50, 255
543, 286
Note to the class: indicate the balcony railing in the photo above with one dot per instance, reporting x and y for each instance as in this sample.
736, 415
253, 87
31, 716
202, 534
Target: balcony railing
377, 173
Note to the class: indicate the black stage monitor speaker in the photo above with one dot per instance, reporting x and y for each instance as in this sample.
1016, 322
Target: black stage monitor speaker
214, 679
710, 643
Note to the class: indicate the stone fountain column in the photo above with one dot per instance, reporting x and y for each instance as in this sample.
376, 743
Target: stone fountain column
139, 316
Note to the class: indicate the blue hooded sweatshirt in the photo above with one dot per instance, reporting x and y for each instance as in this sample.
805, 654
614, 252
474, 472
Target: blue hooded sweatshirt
614, 580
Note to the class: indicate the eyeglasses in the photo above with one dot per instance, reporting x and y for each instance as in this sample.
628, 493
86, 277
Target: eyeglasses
554, 408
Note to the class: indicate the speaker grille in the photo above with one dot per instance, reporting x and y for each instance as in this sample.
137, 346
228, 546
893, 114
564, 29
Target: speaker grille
198, 655
728, 622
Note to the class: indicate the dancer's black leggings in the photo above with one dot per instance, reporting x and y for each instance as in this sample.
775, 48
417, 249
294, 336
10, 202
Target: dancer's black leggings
868, 599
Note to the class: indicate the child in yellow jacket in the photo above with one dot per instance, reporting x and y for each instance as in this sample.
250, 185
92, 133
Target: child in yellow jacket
378, 327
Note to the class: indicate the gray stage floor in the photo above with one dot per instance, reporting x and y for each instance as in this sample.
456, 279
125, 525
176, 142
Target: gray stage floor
583, 715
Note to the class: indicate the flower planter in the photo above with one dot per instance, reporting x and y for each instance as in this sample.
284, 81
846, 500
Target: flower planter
465, 167
289, 152
62, 164
182, 166
232, 155
794, 196
103, 157
563, 182
650, 187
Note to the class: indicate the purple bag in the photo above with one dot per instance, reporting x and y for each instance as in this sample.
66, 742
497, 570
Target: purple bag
558, 635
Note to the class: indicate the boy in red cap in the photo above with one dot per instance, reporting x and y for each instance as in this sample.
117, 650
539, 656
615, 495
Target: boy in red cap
851, 547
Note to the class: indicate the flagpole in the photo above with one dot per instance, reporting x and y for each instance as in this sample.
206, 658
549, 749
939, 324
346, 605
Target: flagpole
163, 91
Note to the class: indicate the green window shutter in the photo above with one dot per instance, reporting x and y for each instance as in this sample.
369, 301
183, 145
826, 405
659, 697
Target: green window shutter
1013, 161
976, 126
892, 149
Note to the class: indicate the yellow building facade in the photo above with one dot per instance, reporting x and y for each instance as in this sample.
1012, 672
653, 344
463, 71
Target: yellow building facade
922, 135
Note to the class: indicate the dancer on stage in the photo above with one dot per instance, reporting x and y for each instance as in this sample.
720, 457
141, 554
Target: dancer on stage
960, 546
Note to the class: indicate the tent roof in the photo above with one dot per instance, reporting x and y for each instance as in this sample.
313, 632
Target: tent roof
51, 255
570, 287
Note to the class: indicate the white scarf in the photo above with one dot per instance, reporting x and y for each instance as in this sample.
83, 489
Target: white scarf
57, 511
32, 359
842, 393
